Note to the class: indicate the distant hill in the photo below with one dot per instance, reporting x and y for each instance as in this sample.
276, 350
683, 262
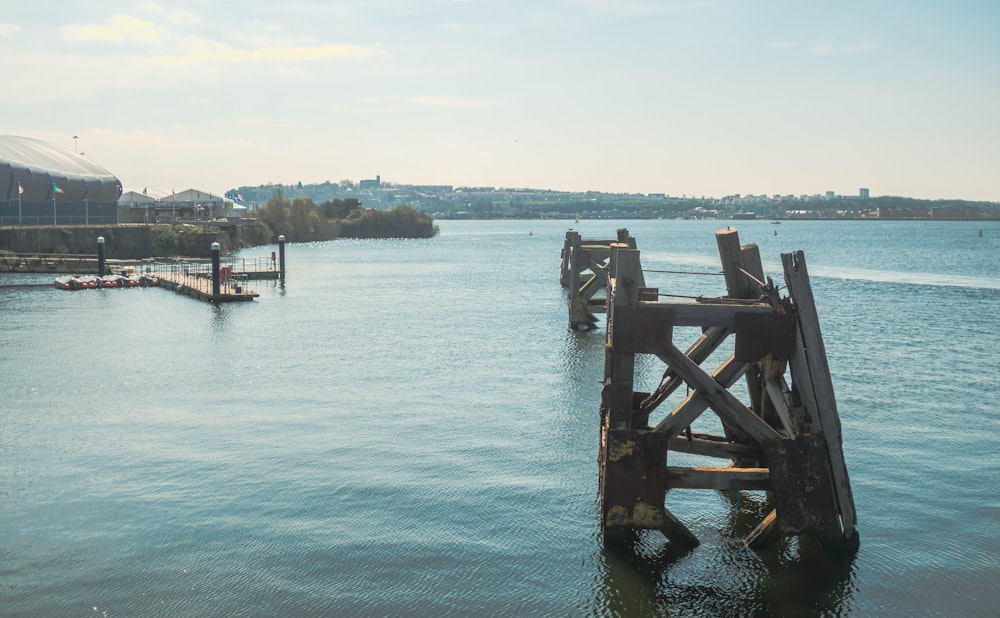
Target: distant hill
448, 202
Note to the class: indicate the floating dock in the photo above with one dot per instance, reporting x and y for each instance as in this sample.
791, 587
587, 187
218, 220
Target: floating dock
214, 280
198, 285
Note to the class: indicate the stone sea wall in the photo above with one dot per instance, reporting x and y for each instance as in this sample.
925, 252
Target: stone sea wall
134, 241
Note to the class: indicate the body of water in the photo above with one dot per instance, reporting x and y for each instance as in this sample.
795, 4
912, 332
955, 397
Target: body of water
410, 428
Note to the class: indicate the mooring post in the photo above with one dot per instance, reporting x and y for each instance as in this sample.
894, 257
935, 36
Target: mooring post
216, 287
572, 239
281, 257
100, 257
632, 457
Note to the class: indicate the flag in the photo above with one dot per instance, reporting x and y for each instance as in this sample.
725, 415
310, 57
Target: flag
56, 188
20, 189
239, 197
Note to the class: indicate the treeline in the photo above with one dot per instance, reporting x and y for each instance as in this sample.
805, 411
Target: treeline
300, 219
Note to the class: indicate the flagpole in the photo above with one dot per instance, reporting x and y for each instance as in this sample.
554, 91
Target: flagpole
19, 220
54, 222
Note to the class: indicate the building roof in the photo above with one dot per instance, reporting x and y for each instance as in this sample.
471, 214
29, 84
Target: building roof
192, 195
33, 169
134, 197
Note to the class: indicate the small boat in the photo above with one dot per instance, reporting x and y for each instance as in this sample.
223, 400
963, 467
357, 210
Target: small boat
88, 282
775, 222
113, 281
66, 283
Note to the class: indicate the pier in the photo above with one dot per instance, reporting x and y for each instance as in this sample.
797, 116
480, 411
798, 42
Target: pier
216, 280
786, 441
584, 274
199, 284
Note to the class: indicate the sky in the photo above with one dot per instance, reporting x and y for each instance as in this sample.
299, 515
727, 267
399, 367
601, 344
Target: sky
683, 97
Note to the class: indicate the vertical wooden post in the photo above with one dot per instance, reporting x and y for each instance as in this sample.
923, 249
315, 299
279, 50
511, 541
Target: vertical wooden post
814, 377
632, 459
572, 240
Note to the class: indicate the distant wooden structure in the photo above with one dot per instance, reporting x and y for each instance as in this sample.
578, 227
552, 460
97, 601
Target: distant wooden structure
584, 274
787, 441
201, 286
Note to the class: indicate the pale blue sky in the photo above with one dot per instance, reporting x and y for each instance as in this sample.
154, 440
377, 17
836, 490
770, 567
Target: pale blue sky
695, 97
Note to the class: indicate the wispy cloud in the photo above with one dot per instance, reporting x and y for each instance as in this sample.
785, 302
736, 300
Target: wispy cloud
118, 28
208, 51
9, 29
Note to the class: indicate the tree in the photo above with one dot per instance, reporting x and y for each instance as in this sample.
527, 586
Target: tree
340, 209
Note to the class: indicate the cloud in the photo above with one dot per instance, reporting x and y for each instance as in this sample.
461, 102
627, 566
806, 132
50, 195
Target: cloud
207, 51
118, 28
9, 29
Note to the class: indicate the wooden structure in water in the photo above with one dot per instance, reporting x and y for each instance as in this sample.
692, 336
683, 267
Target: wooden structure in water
787, 441
584, 273
202, 286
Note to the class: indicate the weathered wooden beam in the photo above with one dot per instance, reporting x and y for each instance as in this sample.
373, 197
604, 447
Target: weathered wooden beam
766, 532
718, 478
730, 409
701, 349
706, 314
778, 395
695, 403
619, 365
594, 283
572, 239
633, 485
812, 350
595, 244
713, 446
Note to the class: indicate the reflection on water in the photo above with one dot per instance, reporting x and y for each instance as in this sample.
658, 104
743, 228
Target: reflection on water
645, 575
221, 316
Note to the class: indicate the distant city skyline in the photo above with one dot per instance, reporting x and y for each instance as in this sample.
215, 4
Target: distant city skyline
685, 97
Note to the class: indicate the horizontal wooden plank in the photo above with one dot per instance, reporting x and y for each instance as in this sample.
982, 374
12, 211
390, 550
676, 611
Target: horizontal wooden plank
705, 314
713, 446
718, 478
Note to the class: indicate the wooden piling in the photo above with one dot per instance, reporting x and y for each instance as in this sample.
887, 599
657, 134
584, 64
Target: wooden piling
584, 274
786, 441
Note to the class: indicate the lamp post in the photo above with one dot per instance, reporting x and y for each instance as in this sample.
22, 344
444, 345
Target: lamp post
75, 137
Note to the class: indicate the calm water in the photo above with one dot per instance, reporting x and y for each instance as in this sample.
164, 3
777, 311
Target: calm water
409, 428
